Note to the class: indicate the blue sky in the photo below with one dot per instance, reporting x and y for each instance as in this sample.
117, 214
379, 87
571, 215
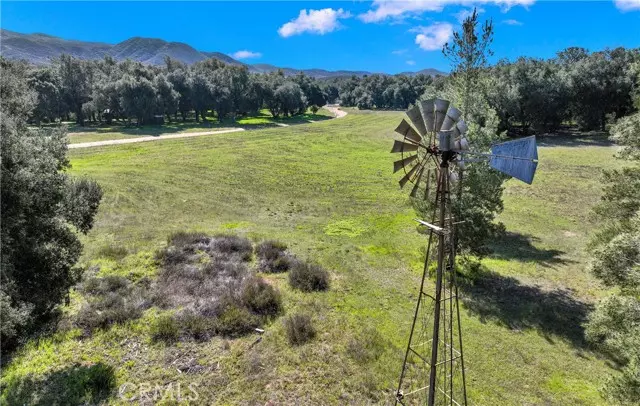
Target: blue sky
380, 36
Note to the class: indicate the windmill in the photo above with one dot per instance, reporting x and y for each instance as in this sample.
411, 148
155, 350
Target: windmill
433, 147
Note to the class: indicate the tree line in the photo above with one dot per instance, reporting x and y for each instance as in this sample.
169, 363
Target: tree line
105, 90
528, 95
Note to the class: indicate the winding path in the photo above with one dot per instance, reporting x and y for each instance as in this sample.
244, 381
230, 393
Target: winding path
334, 109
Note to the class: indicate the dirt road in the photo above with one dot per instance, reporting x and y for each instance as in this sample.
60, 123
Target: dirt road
334, 109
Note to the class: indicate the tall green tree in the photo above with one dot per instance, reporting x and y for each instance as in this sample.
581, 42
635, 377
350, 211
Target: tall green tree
478, 197
75, 82
42, 210
615, 323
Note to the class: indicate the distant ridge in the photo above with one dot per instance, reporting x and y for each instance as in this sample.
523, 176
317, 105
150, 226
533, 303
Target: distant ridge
40, 48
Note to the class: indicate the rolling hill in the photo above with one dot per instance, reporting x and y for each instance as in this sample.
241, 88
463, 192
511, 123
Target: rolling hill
40, 48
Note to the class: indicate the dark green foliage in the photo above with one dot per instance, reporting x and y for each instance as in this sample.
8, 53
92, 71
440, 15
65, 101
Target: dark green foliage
273, 257
76, 385
164, 328
299, 329
308, 277
614, 326
260, 297
41, 206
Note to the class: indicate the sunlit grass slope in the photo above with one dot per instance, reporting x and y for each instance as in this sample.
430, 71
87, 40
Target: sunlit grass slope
326, 189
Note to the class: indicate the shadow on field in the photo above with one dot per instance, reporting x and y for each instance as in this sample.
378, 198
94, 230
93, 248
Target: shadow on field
520, 247
505, 300
75, 385
591, 139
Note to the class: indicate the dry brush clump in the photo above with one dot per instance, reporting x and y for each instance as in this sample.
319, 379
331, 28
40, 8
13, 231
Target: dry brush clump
308, 277
273, 257
299, 328
209, 280
110, 300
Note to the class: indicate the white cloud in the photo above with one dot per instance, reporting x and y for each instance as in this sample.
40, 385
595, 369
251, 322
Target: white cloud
464, 13
395, 9
244, 54
512, 22
627, 5
399, 52
433, 37
410, 62
314, 21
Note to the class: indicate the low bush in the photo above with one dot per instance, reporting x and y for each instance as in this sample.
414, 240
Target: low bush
308, 277
110, 300
299, 329
164, 328
235, 321
273, 257
260, 297
231, 244
195, 326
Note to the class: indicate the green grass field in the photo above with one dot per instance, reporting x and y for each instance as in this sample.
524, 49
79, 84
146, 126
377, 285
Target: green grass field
327, 191
118, 131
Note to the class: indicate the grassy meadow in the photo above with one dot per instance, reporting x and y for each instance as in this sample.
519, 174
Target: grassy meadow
327, 191
118, 130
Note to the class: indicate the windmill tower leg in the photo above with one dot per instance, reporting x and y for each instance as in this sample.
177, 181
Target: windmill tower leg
435, 343
433, 369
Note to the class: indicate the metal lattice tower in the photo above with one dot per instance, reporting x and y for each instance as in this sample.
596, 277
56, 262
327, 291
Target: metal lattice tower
434, 152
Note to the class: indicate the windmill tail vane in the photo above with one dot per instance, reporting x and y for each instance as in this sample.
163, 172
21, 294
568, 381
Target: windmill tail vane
434, 143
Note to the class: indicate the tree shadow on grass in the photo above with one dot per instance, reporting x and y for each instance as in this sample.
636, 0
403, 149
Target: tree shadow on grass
74, 385
520, 247
566, 139
508, 302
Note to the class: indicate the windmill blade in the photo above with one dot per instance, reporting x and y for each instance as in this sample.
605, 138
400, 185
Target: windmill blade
426, 108
407, 131
397, 165
441, 107
518, 158
416, 119
406, 177
399, 146
452, 117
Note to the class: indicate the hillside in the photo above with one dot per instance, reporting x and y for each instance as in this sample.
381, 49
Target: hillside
40, 48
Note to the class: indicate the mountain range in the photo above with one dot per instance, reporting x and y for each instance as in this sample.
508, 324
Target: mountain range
40, 48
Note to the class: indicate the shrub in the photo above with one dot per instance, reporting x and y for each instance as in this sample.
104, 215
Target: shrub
235, 321
164, 328
112, 299
195, 326
231, 244
273, 257
299, 329
314, 108
260, 297
308, 277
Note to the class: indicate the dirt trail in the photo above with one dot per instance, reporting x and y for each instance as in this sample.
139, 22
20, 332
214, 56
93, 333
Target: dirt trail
332, 108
